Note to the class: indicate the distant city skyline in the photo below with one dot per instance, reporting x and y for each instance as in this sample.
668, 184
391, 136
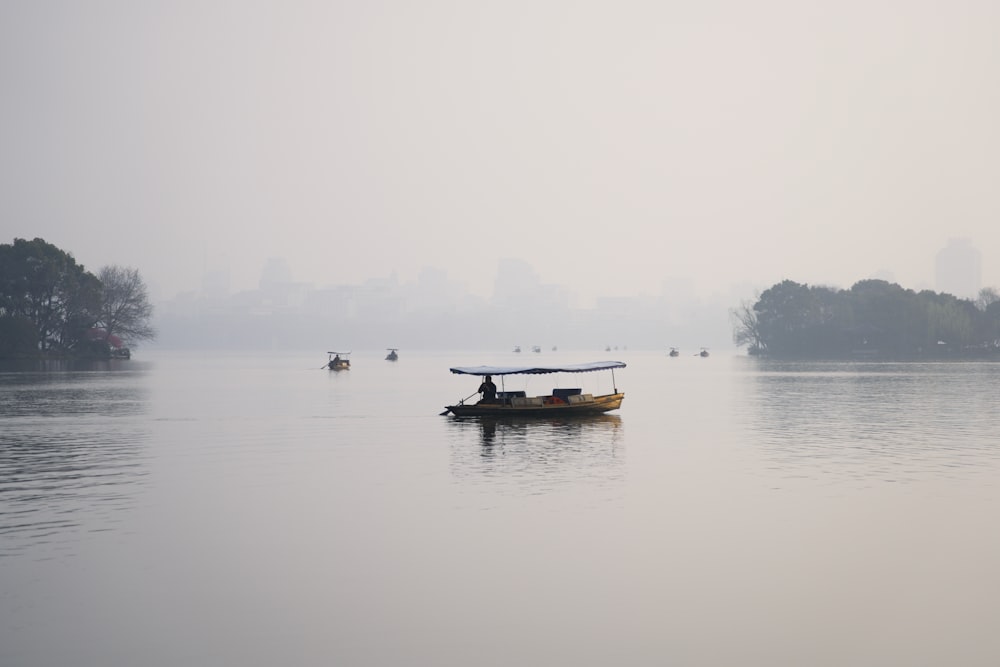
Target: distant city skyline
434, 311
956, 268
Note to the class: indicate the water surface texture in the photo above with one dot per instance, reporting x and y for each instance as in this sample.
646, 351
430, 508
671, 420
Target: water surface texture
205, 509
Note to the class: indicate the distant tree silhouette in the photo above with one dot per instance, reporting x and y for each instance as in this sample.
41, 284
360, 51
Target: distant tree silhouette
873, 318
50, 305
43, 285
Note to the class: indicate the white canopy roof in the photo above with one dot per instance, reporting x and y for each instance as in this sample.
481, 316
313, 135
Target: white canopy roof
538, 370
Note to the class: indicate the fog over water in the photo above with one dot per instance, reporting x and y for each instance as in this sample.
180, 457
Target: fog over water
625, 149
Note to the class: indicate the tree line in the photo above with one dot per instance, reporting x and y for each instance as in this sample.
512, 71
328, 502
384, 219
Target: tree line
51, 306
874, 318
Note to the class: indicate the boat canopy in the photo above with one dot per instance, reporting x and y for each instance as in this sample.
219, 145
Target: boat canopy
537, 370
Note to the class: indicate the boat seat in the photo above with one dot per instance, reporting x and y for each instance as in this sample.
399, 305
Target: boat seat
521, 402
563, 393
510, 394
580, 398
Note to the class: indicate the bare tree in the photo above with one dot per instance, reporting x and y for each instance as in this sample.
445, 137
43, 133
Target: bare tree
745, 327
987, 295
125, 308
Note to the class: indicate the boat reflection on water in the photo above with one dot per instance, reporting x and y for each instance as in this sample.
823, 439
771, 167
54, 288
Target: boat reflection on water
593, 429
540, 449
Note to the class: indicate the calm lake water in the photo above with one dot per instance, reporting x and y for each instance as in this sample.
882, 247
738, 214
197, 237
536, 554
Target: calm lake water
204, 509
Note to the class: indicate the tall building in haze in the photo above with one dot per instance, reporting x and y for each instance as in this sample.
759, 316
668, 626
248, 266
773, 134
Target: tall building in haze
958, 269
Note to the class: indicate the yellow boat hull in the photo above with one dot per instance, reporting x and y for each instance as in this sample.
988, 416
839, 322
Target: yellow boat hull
541, 406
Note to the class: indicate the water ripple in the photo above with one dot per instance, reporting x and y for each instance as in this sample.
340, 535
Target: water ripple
887, 421
71, 454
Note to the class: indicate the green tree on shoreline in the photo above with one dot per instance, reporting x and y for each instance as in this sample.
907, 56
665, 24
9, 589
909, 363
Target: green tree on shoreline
874, 318
50, 305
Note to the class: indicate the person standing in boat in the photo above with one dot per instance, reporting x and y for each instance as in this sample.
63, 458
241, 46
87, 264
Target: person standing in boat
488, 390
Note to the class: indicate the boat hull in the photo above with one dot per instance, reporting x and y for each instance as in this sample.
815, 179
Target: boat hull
599, 405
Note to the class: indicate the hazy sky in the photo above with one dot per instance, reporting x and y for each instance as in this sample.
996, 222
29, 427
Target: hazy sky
612, 145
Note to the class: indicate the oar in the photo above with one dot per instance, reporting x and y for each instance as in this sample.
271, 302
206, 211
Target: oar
462, 401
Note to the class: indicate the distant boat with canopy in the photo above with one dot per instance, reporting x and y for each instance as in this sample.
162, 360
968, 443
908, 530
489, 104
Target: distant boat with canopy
338, 361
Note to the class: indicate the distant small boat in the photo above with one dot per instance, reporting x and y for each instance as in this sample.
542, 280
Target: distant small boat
338, 362
392, 356
536, 348
703, 353
674, 352
517, 348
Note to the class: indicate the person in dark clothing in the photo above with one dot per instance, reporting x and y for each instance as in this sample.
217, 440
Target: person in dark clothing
488, 390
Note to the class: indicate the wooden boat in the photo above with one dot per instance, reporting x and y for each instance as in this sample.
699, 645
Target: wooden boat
337, 362
674, 352
562, 402
704, 352
392, 356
